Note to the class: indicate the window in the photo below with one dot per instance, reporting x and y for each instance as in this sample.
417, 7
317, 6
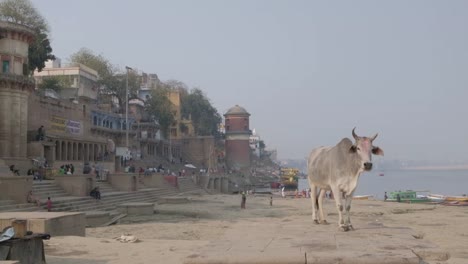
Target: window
6, 66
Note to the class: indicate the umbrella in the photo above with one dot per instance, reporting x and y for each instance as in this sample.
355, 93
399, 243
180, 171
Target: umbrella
190, 166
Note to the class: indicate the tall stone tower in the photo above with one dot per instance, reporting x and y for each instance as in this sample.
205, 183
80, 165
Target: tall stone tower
237, 137
15, 87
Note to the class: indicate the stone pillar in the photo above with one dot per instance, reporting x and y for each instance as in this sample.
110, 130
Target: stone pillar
15, 128
59, 150
86, 152
5, 123
24, 125
65, 150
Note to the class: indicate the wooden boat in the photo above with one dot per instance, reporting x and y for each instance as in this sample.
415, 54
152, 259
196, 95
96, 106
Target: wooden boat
408, 196
455, 203
457, 198
363, 197
436, 197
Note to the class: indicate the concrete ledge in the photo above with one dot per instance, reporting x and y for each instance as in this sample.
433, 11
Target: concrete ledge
136, 208
173, 200
97, 218
53, 223
76, 184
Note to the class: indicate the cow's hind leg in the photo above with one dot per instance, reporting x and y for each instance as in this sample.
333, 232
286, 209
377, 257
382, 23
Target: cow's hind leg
320, 206
339, 206
313, 198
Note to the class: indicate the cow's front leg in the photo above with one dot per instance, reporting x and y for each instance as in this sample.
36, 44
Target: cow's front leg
313, 198
347, 220
322, 219
339, 206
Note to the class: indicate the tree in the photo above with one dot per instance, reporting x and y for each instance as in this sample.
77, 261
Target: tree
39, 52
24, 13
204, 116
96, 62
112, 80
160, 107
51, 82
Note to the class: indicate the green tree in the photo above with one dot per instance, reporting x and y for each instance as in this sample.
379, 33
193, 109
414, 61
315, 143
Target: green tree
51, 82
113, 81
96, 62
24, 13
160, 107
204, 116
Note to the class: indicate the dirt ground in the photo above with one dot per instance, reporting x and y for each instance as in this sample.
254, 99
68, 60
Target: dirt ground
178, 232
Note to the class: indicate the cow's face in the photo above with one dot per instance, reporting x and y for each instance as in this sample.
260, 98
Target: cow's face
364, 149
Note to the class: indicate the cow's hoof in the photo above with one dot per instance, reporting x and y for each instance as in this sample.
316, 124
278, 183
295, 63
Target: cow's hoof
316, 222
350, 227
324, 222
344, 228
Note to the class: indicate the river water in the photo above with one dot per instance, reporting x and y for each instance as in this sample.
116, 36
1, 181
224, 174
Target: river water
448, 182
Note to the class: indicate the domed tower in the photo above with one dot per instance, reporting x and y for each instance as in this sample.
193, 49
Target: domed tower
237, 137
15, 86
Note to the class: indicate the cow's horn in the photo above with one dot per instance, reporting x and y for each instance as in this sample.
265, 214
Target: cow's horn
354, 135
372, 138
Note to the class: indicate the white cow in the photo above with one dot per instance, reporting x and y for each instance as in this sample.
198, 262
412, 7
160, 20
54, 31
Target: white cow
338, 169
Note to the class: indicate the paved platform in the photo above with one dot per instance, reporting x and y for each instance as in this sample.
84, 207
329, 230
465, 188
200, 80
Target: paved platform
53, 223
291, 244
136, 208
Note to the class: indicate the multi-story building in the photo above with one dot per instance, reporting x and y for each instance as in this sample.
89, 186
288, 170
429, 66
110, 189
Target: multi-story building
77, 80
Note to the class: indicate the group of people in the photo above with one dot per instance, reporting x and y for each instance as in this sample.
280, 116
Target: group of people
67, 169
36, 174
14, 170
31, 198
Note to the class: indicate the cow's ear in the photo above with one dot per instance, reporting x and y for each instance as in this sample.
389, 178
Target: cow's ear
377, 151
353, 149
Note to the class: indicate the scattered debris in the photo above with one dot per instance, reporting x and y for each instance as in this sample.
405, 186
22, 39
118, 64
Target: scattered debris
127, 238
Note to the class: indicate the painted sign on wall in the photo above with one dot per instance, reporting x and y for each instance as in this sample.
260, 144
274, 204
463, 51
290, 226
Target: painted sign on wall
62, 125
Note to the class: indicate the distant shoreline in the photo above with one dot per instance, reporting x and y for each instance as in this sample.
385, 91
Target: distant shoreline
456, 167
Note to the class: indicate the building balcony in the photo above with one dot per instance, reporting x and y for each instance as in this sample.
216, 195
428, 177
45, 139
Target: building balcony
111, 130
19, 79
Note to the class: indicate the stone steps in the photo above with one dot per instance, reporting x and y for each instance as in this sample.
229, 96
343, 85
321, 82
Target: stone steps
187, 185
110, 198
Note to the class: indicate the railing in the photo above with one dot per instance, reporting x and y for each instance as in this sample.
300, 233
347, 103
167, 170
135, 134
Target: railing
17, 78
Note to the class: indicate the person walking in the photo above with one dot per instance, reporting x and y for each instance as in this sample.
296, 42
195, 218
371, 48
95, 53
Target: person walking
49, 204
244, 200
271, 200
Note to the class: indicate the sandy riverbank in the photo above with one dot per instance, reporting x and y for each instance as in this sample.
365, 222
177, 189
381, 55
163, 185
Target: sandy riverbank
181, 232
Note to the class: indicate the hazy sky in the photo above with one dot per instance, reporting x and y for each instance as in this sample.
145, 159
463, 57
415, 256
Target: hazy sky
307, 71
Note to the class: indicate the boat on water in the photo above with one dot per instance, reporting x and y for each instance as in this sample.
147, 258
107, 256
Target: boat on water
363, 197
408, 196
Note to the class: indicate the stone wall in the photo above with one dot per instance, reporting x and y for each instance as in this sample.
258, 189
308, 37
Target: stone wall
197, 150
76, 185
15, 188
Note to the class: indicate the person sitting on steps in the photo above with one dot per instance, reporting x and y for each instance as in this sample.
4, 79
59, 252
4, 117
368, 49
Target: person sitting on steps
95, 193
